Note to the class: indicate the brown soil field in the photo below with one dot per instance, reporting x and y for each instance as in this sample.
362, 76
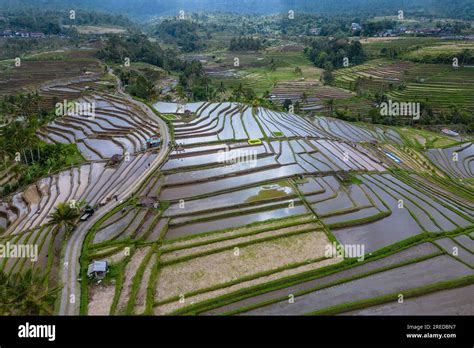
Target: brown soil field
100, 299
219, 268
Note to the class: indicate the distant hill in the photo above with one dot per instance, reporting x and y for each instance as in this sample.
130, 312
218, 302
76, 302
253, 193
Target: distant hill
463, 9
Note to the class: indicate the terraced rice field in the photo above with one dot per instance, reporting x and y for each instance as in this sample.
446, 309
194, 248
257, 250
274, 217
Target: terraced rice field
374, 45
458, 160
119, 127
311, 95
393, 281
240, 227
35, 71
443, 86
441, 50
243, 210
115, 128
448, 302
421, 211
440, 85
254, 69
375, 75
421, 250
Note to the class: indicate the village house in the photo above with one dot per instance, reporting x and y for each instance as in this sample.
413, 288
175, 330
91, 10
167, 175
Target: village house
356, 26
37, 35
153, 142
97, 269
7, 33
22, 33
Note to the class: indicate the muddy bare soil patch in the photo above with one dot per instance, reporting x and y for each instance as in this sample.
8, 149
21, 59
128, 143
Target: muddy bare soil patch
203, 272
130, 272
100, 299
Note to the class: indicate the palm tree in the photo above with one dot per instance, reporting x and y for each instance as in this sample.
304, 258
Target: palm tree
304, 98
64, 216
238, 92
255, 104
221, 88
297, 106
212, 94
330, 105
25, 294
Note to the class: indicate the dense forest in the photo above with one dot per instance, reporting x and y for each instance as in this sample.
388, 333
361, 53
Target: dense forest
462, 9
183, 33
137, 48
245, 44
50, 22
331, 53
194, 80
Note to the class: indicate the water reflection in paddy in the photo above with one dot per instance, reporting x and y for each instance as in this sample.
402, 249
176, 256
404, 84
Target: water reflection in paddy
230, 183
211, 173
250, 195
235, 221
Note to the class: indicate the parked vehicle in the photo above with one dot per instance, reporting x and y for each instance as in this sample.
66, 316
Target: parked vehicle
88, 212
